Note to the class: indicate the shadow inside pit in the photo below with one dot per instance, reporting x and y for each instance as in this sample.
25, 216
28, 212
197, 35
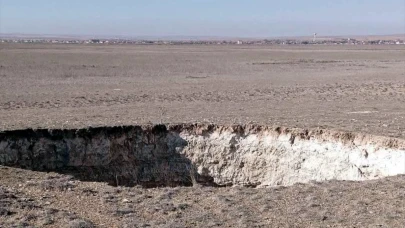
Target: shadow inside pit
120, 156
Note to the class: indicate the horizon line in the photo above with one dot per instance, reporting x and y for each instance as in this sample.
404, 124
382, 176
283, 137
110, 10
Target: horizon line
90, 36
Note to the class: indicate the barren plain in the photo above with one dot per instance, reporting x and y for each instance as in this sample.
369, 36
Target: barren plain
352, 88
357, 89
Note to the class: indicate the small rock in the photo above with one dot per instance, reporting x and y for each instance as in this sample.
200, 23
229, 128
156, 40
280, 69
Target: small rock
183, 206
124, 211
5, 212
80, 223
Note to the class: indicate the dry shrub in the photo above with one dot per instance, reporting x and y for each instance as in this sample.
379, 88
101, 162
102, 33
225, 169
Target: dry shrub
61, 183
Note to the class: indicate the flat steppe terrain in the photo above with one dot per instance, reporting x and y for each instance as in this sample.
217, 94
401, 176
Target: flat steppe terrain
349, 88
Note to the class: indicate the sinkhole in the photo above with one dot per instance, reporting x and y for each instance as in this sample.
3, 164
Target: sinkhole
207, 154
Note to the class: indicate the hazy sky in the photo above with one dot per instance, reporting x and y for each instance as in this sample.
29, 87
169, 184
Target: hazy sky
242, 18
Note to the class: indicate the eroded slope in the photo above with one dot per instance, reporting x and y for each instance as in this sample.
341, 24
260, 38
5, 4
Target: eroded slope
216, 155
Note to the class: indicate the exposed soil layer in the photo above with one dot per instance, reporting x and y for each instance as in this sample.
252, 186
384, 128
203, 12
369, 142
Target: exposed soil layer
215, 155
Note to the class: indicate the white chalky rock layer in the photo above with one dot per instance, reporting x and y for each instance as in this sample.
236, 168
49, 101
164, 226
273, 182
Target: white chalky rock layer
173, 155
270, 159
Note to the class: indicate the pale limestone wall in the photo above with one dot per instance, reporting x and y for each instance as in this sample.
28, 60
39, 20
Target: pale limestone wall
269, 159
221, 155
